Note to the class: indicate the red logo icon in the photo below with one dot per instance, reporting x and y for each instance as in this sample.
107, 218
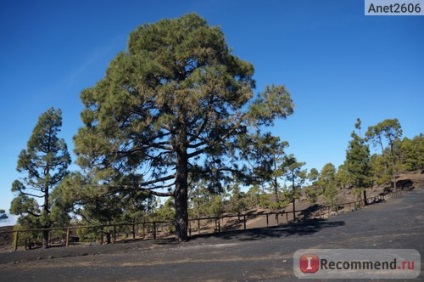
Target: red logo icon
309, 263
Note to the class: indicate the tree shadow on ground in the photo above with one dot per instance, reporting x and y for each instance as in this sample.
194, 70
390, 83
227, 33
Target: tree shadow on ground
303, 228
309, 213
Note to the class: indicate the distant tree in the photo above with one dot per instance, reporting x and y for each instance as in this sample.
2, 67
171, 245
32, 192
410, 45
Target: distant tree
44, 164
330, 194
166, 211
312, 191
343, 179
253, 196
357, 162
80, 195
216, 207
237, 199
176, 106
327, 180
295, 175
269, 157
201, 196
412, 153
391, 131
313, 175
3, 214
379, 170
311, 194
327, 176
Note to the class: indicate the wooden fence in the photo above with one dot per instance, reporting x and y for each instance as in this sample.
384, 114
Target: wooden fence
112, 233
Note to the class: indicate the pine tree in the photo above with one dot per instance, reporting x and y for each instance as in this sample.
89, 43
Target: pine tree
295, 175
388, 130
327, 181
358, 162
3, 214
177, 105
412, 153
44, 164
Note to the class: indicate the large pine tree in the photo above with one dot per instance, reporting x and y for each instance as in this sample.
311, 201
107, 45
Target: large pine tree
177, 105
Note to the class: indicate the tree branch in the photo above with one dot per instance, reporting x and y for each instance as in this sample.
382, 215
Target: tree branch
32, 195
33, 214
161, 194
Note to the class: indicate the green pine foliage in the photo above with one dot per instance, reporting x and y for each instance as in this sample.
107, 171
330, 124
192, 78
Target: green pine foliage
3, 214
328, 184
389, 132
358, 163
412, 153
43, 165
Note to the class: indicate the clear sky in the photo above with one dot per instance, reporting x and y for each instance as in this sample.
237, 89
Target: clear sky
337, 63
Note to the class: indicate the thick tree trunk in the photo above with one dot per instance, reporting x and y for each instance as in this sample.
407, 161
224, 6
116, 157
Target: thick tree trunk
181, 197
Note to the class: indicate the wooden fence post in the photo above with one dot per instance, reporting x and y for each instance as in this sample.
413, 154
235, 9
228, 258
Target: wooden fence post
267, 221
154, 230
144, 228
198, 225
133, 231
101, 235
244, 222
114, 235
16, 240
68, 231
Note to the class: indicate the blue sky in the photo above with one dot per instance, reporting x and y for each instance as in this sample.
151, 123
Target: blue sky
337, 63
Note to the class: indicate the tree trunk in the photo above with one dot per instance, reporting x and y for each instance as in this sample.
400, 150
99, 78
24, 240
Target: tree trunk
294, 200
394, 183
277, 200
365, 197
392, 151
181, 196
46, 217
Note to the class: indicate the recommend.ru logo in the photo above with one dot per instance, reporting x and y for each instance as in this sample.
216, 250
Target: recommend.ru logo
357, 263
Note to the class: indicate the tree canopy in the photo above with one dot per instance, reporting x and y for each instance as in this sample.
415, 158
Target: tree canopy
3, 214
388, 130
177, 105
44, 164
357, 160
